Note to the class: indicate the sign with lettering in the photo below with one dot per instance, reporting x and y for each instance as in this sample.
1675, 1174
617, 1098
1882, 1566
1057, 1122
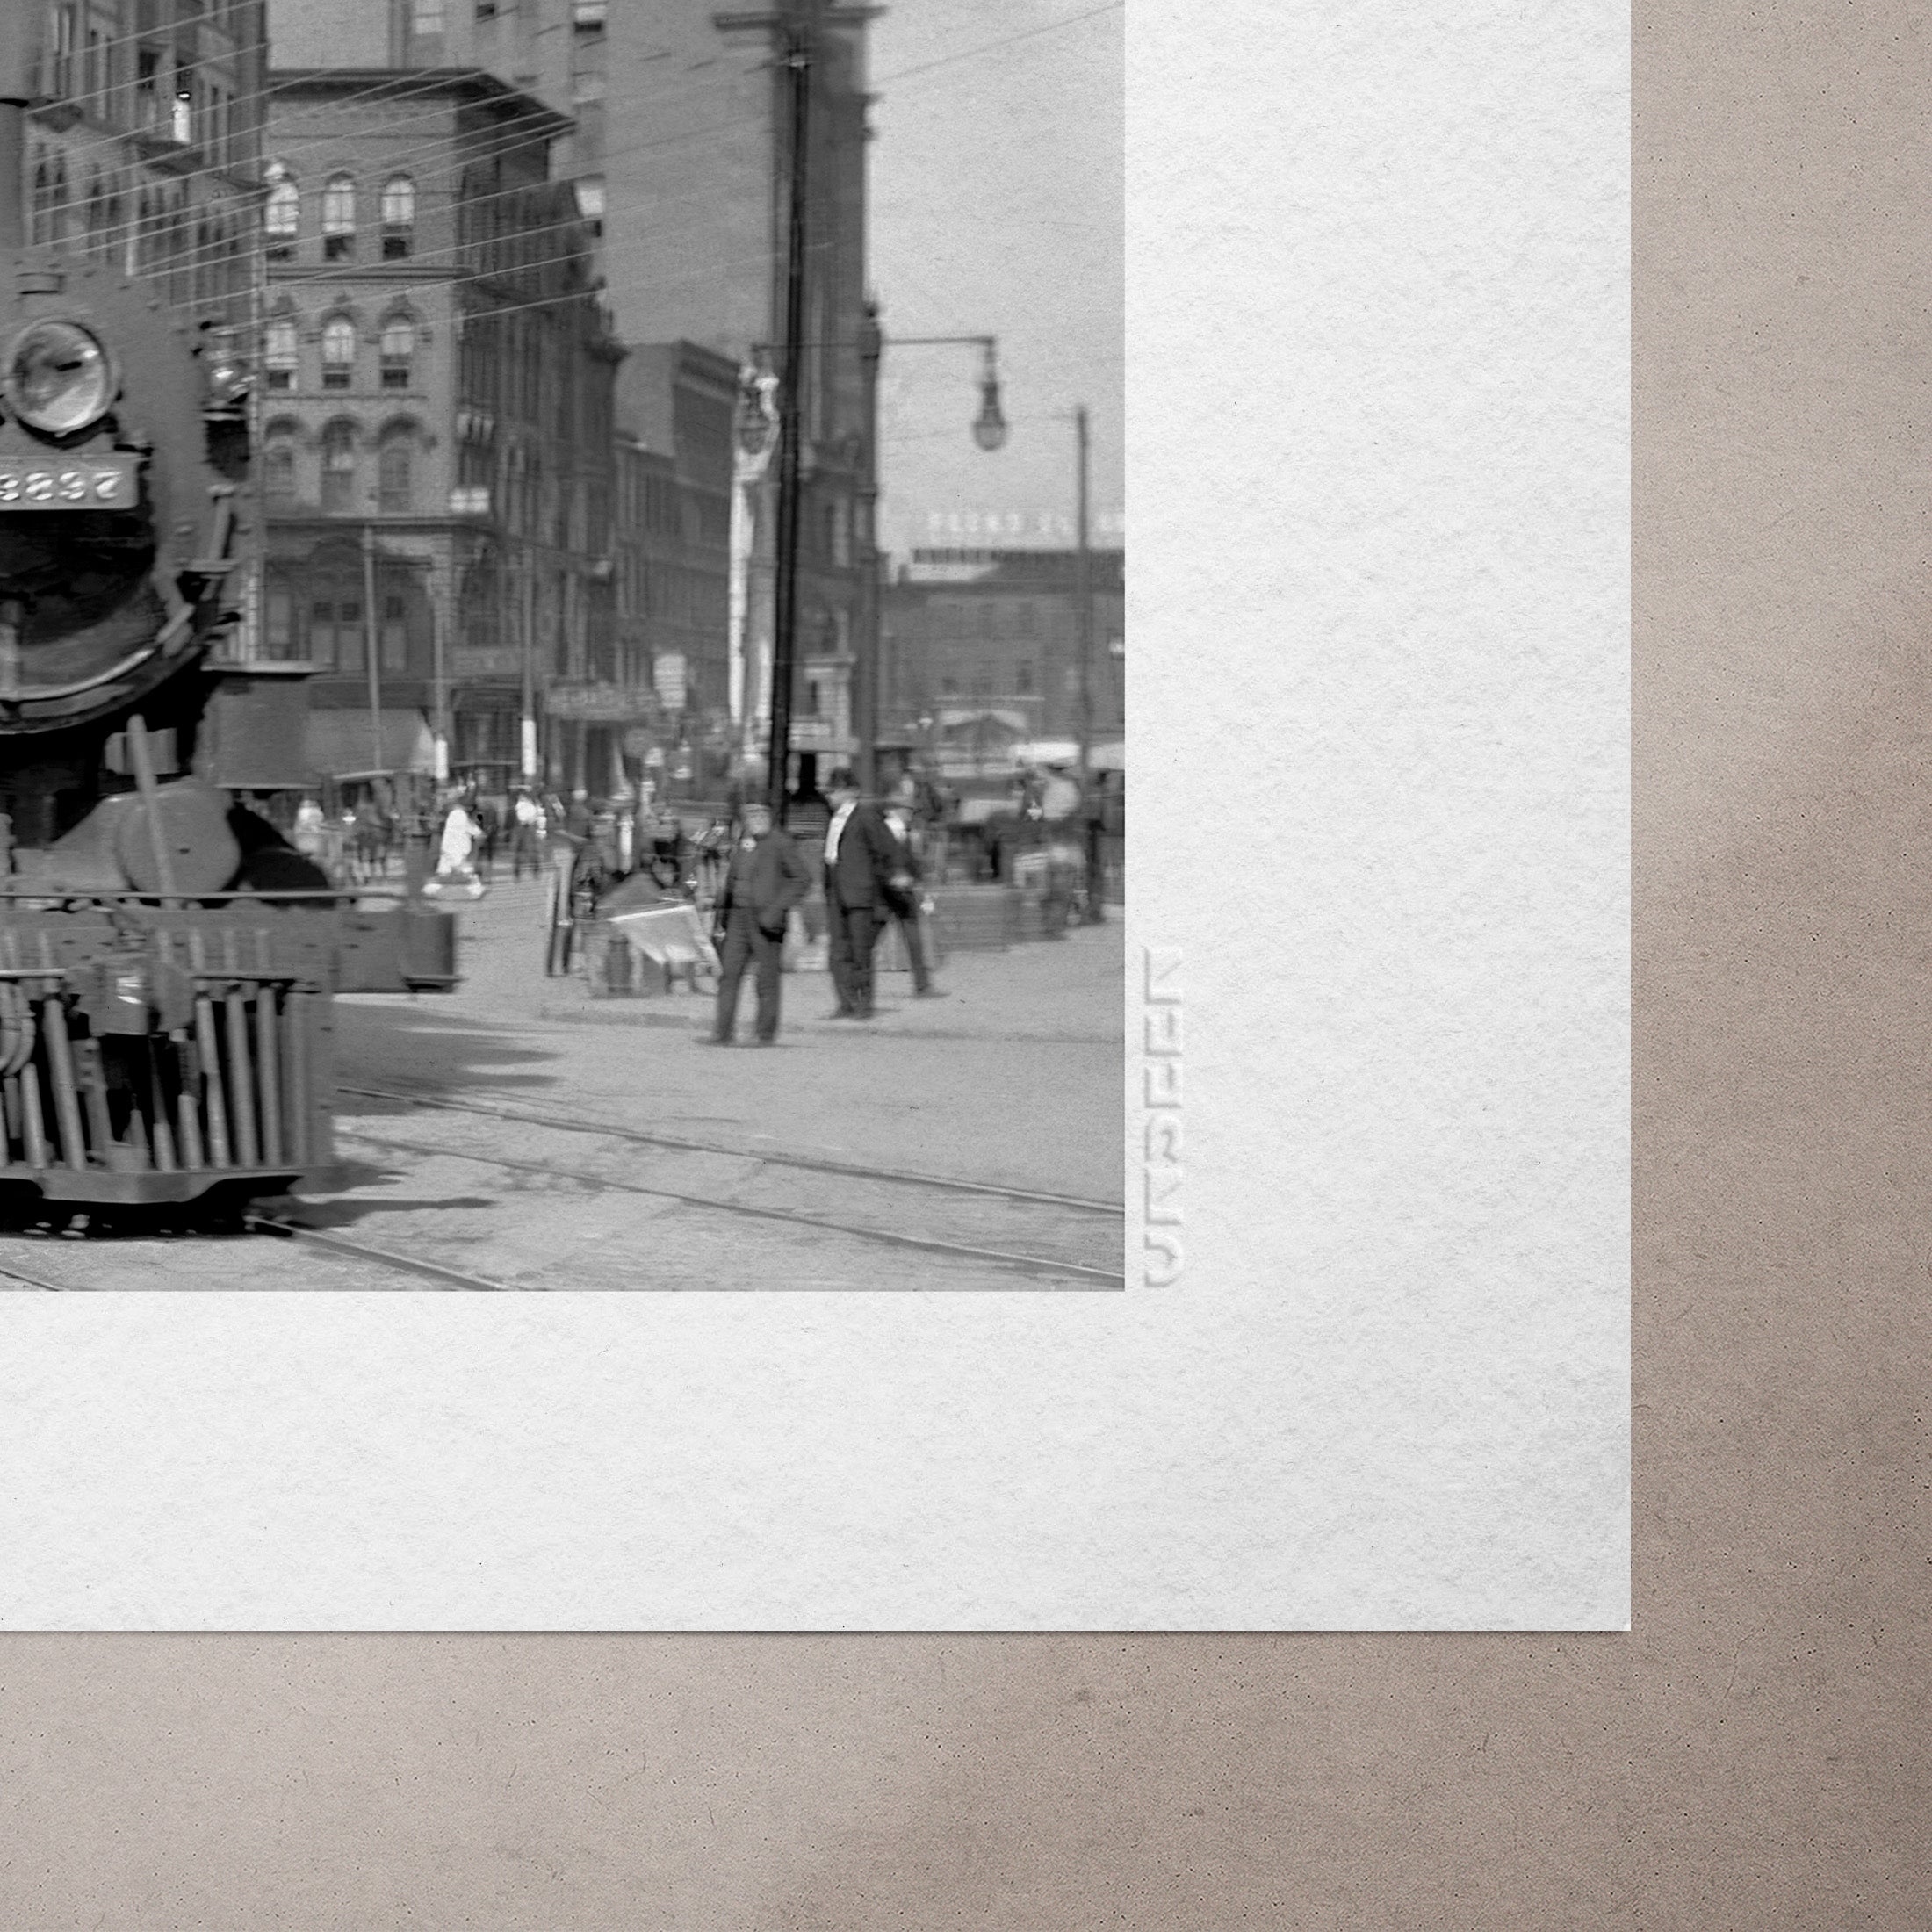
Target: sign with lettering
105, 483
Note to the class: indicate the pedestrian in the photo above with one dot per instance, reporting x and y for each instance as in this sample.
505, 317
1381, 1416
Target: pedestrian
528, 835
489, 825
864, 867
902, 814
764, 880
308, 829
458, 842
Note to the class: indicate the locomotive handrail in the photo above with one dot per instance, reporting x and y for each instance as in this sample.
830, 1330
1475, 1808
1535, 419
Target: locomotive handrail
269, 895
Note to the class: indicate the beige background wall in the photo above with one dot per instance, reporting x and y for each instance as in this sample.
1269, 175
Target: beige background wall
1753, 1755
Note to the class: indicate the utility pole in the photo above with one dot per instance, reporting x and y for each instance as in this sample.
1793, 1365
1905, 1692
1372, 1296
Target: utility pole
372, 635
1084, 604
797, 63
793, 28
527, 747
865, 554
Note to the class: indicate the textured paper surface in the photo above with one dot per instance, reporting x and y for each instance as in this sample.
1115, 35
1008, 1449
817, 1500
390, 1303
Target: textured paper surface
1749, 1754
1378, 368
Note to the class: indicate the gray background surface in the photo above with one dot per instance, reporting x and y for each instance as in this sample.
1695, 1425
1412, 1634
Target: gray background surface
1752, 1754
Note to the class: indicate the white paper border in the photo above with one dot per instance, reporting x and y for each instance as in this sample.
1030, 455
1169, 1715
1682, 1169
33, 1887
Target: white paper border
1379, 497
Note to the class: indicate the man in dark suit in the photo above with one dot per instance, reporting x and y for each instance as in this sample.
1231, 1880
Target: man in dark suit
865, 878
765, 879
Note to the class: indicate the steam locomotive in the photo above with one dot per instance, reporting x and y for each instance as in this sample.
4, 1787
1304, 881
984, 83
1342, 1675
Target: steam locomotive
167, 959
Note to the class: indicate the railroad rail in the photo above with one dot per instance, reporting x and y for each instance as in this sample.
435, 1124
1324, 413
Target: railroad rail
814, 1163
1056, 1219
1028, 1264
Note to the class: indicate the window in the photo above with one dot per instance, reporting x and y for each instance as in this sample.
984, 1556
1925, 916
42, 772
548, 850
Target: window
280, 627
399, 349
395, 477
339, 469
590, 204
986, 620
426, 16
399, 217
812, 697
338, 218
282, 218
282, 352
335, 633
1022, 619
338, 352
147, 87
279, 467
1022, 678
948, 687
395, 633
63, 75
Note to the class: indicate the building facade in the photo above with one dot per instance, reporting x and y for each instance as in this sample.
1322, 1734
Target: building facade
686, 197
144, 146
982, 647
437, 381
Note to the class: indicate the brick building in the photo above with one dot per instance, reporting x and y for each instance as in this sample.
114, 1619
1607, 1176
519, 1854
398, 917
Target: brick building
686, 201
985, 646
437, 382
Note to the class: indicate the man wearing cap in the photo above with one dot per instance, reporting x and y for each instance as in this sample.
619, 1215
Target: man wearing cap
865, 870
765, 879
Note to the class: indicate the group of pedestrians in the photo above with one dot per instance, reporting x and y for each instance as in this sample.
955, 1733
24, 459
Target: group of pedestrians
870, 869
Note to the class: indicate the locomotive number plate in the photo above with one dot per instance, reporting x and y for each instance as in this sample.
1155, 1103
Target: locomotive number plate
104, 484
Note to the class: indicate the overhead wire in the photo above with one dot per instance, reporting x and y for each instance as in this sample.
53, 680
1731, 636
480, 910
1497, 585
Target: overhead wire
431, 80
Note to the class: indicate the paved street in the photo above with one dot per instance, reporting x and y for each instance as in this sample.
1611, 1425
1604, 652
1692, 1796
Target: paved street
521, 1133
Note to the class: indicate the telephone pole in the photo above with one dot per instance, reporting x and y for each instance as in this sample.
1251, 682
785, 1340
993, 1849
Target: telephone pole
1083, 600
798, 52
793, 30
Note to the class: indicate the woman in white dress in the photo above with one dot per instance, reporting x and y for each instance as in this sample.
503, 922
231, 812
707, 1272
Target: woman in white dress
459, 832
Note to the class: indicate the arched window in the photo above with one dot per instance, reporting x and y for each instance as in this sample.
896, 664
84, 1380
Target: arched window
399, 349
282, 215
338, 218
339, 469
398, 217
395, 463
279, 463
338, 353
281, 352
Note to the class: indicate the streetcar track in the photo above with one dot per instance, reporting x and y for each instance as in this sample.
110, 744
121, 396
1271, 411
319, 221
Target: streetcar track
12, 1274
821, 1164
362, 1251
923, 1243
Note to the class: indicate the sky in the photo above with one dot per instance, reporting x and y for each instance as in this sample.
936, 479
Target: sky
999, 209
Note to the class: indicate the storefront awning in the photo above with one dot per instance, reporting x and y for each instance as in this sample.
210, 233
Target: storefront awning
339, 742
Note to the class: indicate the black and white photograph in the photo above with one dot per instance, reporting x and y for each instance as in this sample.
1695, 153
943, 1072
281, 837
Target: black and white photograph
541, 543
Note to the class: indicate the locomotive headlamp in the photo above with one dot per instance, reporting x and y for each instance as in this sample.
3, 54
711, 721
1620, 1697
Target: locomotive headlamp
58, 378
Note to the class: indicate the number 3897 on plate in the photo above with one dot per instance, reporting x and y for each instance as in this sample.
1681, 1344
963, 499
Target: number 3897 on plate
69, 487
